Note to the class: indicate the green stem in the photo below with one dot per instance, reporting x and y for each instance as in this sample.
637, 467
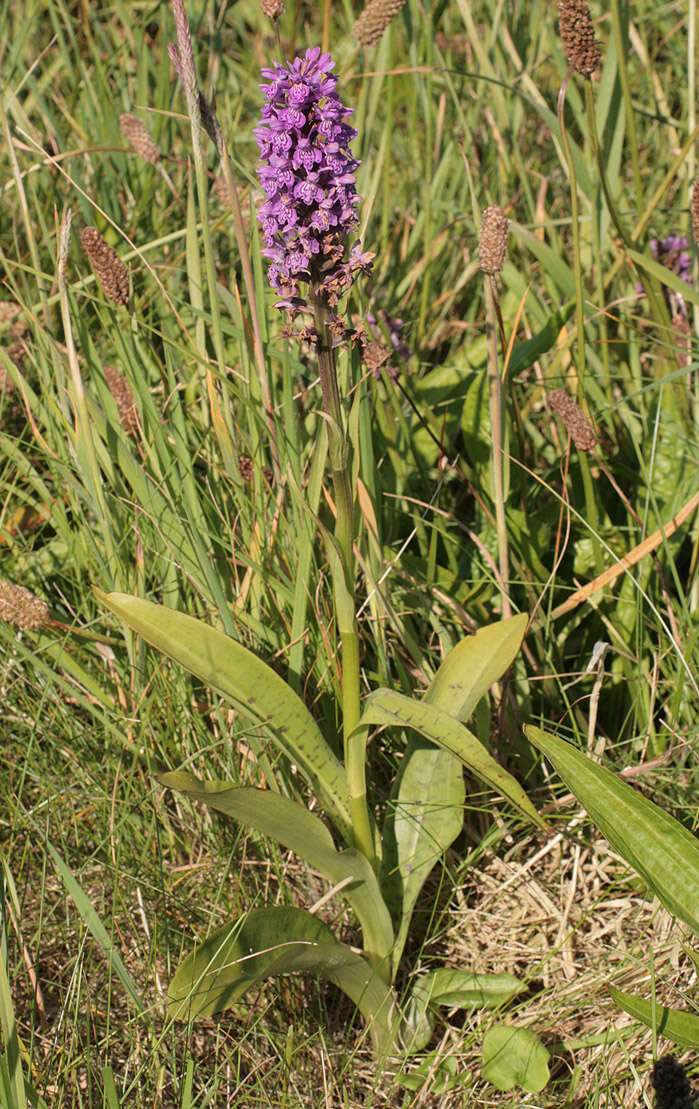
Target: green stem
591, 513
496, 426
343, 577
575, 227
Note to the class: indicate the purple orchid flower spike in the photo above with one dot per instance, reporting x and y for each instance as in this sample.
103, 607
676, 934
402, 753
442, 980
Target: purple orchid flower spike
308, 177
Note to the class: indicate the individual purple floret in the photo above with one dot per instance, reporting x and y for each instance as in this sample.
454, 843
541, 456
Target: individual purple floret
307, 175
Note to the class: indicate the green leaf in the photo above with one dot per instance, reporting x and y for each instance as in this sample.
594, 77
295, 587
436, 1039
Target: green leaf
427, 815
385, 706
463, 989
679, 1027
249, 684
514, 1057
473, 665
659, 848
454, 989
268, 942
294, 827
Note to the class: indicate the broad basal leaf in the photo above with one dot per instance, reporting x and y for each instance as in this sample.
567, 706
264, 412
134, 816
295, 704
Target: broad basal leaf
451, 989
385, 706
675, 1025
301, 831
425, 817
252, 686
268, 942
659, 848
473, 665
514, 1057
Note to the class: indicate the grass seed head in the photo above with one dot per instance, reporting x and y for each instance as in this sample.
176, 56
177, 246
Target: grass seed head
575, 420
123, 398
272, 8
22, 608
374, 20
492, 246
108, 266
578, 34
139, 138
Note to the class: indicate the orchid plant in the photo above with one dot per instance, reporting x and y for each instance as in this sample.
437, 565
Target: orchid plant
307, 218
307, 175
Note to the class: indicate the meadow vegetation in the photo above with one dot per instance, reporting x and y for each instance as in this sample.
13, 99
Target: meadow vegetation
519, 437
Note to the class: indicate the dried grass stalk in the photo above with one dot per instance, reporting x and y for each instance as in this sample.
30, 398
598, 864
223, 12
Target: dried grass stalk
578, 34
22, 608
374, 20
575, 420
139, 138
492, 246
109, 269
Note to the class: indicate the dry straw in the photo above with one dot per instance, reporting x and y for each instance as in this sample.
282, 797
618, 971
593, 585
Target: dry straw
492, 246
374, 20
123, 398
576, 422
139, 138
109, 269
578, 34
22, 608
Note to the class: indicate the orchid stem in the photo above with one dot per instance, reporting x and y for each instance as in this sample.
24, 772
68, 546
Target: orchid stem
338, 449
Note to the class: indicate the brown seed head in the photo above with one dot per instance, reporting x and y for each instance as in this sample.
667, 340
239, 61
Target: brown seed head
578, 34
109, 269
123, 397
272, 8
374, 20
695, 211
20, 607
575, 420
139, 137
493, 241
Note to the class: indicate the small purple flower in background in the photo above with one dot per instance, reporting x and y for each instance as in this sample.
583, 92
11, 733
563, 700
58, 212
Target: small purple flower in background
307, 175
673, 252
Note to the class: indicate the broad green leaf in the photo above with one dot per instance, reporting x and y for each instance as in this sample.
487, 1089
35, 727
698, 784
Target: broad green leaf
427, 815
385, 706
473, 665
429, 794
659, 848
514, 1057
94, 925
268, 942
679, 1027
463, 989
249, 684
294, 827
454, 989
